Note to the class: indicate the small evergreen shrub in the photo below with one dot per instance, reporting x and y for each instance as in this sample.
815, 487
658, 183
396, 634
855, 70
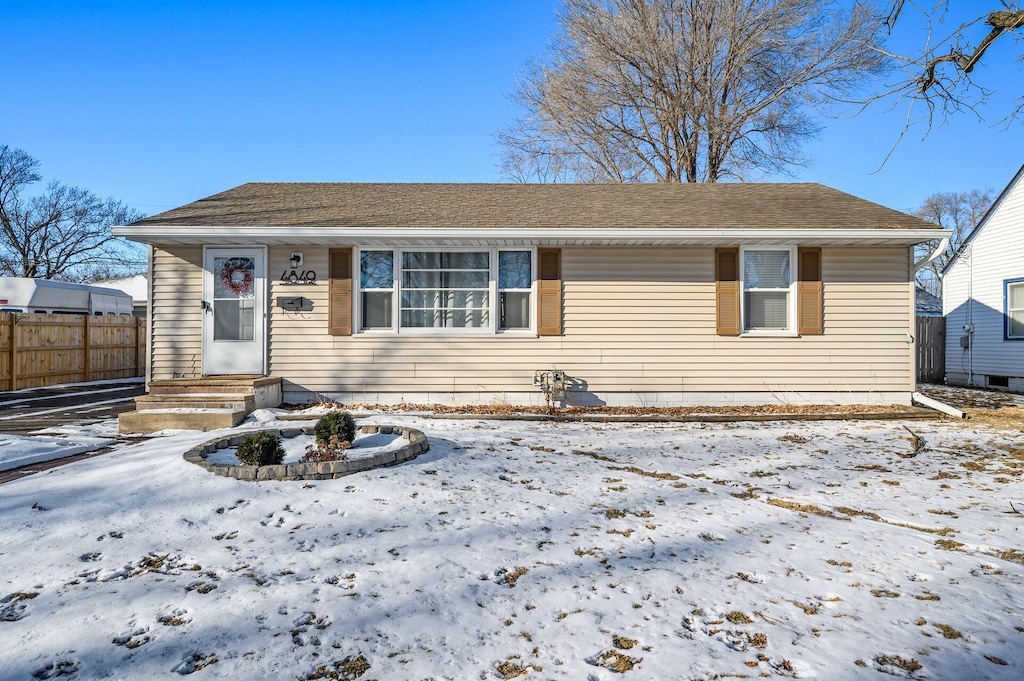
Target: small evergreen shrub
261, 449
335, 423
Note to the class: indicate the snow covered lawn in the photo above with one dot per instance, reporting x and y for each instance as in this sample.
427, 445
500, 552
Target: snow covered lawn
538, 550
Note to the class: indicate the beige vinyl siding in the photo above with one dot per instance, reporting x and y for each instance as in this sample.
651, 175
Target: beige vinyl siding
635, 320
177, 316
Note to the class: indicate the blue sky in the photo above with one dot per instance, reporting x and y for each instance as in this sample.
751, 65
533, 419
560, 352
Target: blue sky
161, 103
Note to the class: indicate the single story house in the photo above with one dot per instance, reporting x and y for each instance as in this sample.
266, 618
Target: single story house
640, 295
983, 298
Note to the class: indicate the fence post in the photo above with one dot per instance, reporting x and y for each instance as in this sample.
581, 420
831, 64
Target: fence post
86, 343
14, 352
139, 334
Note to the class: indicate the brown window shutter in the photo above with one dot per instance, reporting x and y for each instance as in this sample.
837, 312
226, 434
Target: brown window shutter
340, 292
727, 291
809, 303
549, 291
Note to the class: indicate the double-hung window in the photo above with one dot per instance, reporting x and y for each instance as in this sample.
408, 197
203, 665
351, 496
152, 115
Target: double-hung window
377, 288
1014, 303
515, 285
769, 301
452, 291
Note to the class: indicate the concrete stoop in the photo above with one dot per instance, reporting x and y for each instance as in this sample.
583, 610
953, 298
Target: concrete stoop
207, 403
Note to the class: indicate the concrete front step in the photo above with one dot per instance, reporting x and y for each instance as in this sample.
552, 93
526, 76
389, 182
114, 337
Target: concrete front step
195, 401
212, 384
203, 403
150, 421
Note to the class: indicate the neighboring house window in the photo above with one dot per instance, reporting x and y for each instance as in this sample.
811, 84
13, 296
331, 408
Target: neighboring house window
767, 285
1014, 305
470, 291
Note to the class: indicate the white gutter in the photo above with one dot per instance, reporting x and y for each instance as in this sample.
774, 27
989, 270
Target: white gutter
342, 235
939, 250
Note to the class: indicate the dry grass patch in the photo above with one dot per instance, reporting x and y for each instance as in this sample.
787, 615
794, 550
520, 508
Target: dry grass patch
345, 670
810, 509
757, 640
624, 643
510, 578
947, 631
1011, 554
647, 474
737, 617
616, 661
907, 665
510, 668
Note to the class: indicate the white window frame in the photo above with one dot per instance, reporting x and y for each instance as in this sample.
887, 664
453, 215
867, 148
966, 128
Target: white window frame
1007, 285
494, 297
791, 300
357, 281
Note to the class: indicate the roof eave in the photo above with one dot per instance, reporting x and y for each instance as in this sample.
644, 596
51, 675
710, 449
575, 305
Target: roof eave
501, 236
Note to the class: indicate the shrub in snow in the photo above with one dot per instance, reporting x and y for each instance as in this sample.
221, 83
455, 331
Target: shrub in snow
260, 449
332, 450
335, 423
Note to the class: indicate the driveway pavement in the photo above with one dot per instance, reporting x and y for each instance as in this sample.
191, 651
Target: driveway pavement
26, 411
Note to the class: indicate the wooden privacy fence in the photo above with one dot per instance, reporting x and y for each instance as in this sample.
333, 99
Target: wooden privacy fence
931, 349
48, 349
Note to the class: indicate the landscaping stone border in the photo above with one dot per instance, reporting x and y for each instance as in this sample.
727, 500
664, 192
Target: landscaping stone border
327, 470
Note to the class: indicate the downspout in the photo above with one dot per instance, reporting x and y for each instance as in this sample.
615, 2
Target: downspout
939, 250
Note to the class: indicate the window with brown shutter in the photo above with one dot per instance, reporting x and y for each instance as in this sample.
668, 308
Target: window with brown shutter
727, 291
809, 298
340, 292
549, 291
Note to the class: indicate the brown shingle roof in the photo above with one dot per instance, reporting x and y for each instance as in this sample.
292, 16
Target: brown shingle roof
712, 206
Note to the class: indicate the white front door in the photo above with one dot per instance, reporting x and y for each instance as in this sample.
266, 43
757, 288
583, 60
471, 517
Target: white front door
234, 310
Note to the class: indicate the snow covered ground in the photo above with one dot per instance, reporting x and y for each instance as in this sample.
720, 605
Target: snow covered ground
538, 550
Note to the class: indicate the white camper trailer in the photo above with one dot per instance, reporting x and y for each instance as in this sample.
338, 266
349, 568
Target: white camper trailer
22, 294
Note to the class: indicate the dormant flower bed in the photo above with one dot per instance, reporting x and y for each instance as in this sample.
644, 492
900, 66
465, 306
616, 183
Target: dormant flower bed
415, 443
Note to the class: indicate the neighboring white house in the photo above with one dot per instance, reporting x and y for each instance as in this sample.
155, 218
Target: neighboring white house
136, 286
983, 298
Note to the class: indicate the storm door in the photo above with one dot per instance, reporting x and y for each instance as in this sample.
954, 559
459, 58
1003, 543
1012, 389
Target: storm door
234, 310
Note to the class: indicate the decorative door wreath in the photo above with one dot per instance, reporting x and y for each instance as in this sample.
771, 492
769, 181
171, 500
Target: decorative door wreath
236, 275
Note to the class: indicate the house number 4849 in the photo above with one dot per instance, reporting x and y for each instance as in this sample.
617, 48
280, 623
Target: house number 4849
294, 277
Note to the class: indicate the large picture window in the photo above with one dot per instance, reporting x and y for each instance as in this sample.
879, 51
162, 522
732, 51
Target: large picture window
471, 291
768, 300
1014, 303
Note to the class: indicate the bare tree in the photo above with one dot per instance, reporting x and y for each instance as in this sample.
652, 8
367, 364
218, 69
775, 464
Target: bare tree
62, 233
958, 211
684, 90
940, 74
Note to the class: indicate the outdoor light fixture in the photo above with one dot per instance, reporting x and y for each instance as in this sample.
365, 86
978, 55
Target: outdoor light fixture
295, 261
